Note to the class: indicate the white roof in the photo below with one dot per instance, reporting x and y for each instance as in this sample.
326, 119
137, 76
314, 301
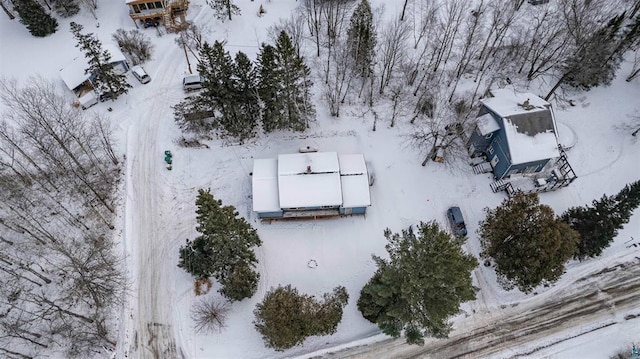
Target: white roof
487, 124
73, 74
265, 185
524, 148
318, 162
309, 180
354, 180
310, 190
505, 102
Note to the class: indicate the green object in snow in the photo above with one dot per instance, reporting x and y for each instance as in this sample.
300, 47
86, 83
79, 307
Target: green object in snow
167, 159
167, 153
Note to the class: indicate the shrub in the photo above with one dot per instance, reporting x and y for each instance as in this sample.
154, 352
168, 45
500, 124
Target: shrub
135, 44
209, 315
286, 318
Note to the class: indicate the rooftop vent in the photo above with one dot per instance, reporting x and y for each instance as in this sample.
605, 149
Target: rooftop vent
526, 105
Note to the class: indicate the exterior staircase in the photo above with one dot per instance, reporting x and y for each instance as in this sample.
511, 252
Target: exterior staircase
483, 167
499, 185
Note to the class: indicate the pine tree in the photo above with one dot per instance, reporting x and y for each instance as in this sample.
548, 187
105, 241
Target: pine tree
528, 244
66, 8
246, 99
596, 62
598, 225
105, 77
224, 8
361, 38
33, 16
269, 88
286, 318
223, 250
420, 286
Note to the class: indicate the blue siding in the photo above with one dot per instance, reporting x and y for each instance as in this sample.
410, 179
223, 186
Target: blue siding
354, 210
270, 214
478, 140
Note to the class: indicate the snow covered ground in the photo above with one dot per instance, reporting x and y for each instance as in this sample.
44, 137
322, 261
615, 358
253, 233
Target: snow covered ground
158, 207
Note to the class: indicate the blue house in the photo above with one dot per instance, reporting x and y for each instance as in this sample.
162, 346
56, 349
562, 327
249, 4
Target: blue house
516, 133
310, 185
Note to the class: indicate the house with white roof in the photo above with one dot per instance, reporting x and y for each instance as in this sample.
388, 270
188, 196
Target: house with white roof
310, 185
518, 136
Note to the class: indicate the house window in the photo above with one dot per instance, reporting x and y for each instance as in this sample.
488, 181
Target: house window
490, 150
150, 5
494, 161
489, 136
143, 7
158, 5
136, 9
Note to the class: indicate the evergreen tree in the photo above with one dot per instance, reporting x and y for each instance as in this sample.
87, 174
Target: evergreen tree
105, 77
284, 87
246, 97
269, 88
294, 74
223, 250
420, 286
33, 16
286, 318
598, 225
224, 8
596, 62
528, 244
66, 8
361, 38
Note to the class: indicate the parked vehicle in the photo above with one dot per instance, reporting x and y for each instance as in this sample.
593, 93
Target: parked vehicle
191, 83
139, 73
456, 221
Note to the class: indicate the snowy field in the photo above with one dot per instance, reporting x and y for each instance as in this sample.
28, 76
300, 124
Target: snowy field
158, 207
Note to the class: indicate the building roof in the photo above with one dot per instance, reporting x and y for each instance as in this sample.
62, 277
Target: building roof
528, 124
306, 180
74, 74
309, 180
354, 179
265, 185
487, 124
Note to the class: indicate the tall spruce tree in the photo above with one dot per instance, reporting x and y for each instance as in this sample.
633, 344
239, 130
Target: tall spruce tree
361, 38
224, 249
224, 8
527, 243
33, 16
598, 225
246, 97
105, 77
285, 87
269, 88
420, 286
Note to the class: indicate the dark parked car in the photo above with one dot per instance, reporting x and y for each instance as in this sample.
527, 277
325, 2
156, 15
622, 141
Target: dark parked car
454, 215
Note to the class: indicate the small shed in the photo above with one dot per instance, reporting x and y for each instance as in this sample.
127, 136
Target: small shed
314, 184
77, 80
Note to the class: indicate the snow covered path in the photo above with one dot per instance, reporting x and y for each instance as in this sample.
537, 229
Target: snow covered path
594, 302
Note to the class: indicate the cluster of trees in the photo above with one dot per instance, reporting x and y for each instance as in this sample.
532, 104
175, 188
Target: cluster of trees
530, 245
39, 22
61, 274
240, 96
599, 223
105, 77
224, 250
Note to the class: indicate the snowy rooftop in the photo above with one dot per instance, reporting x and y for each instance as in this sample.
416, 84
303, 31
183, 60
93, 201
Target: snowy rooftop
354, 180
73, 74
528, 123
507, 103
487, 124
305, 180
265, 185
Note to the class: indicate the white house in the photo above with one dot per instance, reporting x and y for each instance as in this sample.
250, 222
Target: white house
310, 185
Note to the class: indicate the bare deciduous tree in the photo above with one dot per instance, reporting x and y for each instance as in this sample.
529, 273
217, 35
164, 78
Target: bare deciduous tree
391, 50
209, 315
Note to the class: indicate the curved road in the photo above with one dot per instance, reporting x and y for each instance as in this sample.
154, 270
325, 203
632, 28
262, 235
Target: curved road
592, 302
